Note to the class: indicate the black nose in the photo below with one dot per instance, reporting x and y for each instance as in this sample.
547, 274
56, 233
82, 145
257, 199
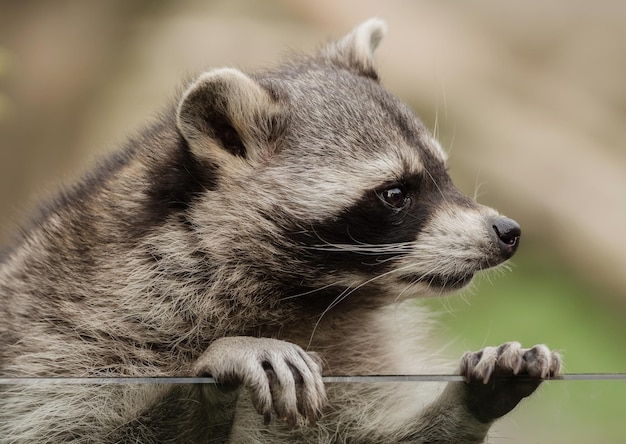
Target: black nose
508, 233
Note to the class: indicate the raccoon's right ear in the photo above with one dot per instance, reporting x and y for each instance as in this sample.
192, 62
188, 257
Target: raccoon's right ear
225, 117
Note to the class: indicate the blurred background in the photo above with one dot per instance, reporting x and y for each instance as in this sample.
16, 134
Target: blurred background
528, 97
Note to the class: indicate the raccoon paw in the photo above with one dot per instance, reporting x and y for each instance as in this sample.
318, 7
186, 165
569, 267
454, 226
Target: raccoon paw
280, 376
498, 378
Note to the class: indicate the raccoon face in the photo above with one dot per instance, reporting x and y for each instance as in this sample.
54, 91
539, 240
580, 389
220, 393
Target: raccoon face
396, 219
338, 177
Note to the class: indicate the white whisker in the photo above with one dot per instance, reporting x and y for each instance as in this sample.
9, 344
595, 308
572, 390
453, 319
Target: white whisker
306, 293
477, 186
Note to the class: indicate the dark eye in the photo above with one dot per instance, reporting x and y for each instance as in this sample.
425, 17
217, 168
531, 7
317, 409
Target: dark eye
394, 196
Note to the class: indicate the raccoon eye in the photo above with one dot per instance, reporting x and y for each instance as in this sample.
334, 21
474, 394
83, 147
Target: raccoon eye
394, 196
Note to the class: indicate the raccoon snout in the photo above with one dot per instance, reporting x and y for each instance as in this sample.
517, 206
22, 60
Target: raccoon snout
508, 233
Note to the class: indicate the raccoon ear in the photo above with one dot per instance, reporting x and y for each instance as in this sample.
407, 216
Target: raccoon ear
224, 114
355, 51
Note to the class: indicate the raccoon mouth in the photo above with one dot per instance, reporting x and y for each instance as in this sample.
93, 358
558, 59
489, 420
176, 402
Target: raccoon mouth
443, 282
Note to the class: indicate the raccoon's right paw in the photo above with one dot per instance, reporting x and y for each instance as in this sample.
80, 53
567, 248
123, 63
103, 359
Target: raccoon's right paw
280, 376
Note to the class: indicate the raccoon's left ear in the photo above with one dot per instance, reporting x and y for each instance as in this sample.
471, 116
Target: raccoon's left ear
227, 117
355, 51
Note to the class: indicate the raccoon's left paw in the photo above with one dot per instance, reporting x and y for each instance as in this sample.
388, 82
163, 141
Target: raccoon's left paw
498, 378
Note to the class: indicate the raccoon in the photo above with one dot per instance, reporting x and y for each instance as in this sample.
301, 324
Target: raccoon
269, 228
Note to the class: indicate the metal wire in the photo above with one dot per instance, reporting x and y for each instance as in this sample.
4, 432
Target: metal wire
326, 379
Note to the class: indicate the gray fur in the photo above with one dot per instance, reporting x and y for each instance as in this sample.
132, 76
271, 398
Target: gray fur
252, 234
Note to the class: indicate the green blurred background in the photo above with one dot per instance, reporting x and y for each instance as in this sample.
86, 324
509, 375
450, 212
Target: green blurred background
528, 97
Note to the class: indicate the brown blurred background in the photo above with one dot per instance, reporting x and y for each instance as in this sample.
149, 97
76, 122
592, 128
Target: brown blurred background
528, 97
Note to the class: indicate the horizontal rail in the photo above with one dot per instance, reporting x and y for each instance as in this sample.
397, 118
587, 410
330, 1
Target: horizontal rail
327, 379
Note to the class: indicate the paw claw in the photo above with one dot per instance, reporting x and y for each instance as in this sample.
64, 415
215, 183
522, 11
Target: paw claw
555, 364
517, 365
487, 375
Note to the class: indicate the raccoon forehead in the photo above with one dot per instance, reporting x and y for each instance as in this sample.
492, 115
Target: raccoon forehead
333, 108
363, 170
363, 159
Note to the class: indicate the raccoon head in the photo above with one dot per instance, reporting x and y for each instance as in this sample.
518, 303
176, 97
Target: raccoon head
326, 177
